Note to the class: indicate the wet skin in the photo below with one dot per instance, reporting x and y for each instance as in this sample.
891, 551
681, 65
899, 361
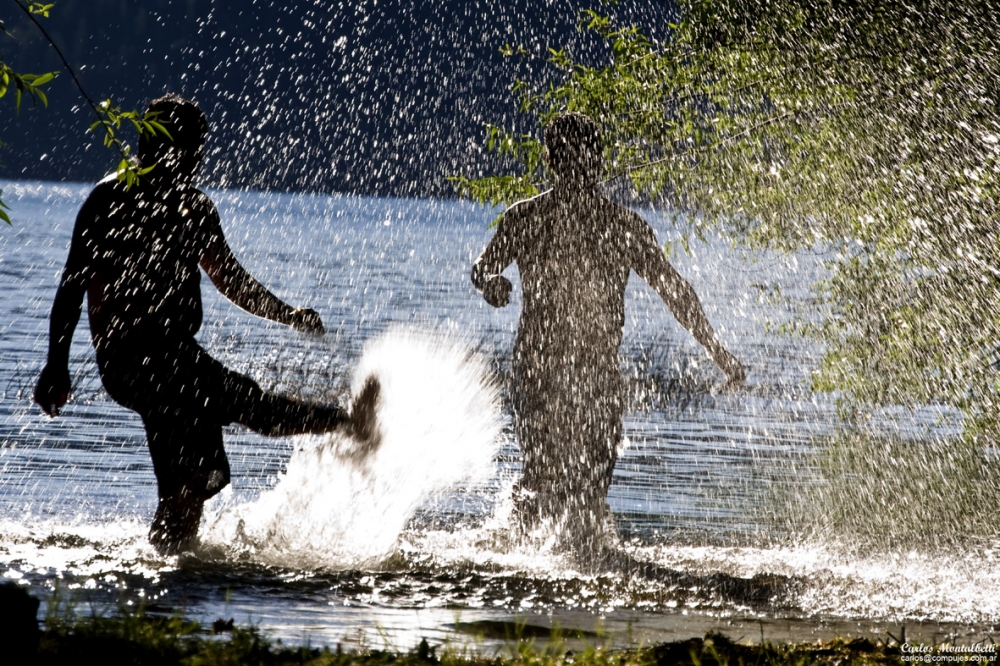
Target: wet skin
574, 250
136, 254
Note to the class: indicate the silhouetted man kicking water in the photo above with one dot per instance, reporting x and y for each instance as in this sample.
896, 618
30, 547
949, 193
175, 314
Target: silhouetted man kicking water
136, 254
574, 250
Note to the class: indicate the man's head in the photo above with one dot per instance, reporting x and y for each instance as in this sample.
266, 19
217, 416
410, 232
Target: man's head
575, 148
188, 127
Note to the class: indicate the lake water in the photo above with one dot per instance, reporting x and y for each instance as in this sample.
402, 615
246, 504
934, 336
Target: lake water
843, 531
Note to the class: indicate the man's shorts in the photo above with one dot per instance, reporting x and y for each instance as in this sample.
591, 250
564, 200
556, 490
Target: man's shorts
184, 397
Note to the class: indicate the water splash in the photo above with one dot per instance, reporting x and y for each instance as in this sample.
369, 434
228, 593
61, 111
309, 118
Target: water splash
874, 535
337, 506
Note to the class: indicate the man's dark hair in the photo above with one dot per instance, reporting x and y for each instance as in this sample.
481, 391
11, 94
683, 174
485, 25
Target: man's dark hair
185, 121
574, 144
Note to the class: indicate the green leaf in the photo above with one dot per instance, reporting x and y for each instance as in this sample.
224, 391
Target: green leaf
44, 78
40, 9
5, 217
155, 124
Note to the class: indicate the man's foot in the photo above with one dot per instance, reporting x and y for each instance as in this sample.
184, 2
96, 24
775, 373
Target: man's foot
363, 425
175, 525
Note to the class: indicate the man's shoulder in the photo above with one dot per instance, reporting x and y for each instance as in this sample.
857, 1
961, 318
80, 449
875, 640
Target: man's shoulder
196, 198
107, 195
200, 195
107, 188
529, 206
531, 213
201, 214
629, 218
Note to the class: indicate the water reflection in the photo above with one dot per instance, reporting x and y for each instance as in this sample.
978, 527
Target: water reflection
708, 485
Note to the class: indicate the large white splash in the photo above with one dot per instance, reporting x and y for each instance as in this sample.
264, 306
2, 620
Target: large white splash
338, 506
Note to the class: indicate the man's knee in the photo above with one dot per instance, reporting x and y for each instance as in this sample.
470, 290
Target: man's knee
189, 459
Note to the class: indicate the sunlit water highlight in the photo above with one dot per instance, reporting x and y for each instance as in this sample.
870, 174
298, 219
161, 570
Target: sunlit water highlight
894, 522
339, 505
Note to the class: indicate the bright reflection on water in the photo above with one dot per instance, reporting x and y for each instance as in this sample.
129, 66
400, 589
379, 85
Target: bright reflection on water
749, 512
341, 504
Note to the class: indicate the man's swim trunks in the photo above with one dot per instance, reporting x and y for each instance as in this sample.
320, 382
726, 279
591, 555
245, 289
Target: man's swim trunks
185, 397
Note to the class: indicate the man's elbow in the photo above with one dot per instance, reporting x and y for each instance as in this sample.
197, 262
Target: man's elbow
225, 279
69, 298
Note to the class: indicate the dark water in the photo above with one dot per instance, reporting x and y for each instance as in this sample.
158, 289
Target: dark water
837, 530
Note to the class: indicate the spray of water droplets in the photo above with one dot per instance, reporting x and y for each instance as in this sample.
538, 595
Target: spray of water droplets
338, 505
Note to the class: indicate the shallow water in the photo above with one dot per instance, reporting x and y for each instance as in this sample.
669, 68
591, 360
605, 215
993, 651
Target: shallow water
751, 512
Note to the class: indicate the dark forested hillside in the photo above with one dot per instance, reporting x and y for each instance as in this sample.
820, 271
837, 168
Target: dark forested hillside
371, 97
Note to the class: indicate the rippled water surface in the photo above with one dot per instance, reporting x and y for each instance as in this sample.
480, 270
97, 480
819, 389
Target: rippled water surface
750, 512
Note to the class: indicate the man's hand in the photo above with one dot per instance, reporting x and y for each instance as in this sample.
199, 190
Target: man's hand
496, 291
307, 321
53, 388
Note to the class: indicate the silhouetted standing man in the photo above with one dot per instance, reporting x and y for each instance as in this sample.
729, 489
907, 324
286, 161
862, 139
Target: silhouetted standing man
136, 253
574, 249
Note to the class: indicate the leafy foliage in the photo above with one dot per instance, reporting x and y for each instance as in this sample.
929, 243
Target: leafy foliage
111, 120
866, 129
3, 210
24, 84
109, 117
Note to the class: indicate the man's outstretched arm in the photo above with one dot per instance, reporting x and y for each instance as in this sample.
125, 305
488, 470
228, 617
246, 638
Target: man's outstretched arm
236, 284
652, 266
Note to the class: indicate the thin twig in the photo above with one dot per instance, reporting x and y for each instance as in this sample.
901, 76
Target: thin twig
72, 73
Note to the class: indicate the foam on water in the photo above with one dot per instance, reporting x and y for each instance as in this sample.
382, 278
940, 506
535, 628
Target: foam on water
468, 568
339, 506
825, 580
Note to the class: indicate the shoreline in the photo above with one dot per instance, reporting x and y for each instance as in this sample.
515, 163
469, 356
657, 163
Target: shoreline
141, 638
138, 636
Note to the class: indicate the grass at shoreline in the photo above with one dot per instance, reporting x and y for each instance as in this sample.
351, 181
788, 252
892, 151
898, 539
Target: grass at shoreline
149, 640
